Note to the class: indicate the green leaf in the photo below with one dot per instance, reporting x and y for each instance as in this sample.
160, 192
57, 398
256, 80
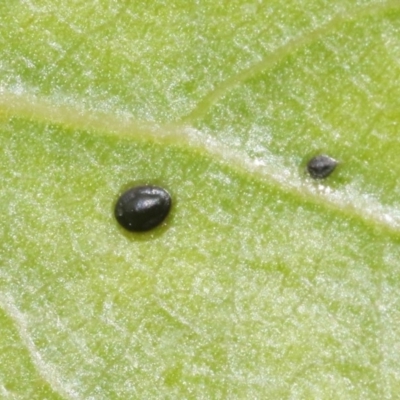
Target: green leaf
262, 283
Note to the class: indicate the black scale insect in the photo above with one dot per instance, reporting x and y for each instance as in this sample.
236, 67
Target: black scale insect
321, 166
142, 208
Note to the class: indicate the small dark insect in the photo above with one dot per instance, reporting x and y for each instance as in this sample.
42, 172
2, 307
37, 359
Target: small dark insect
142, 208
321, 166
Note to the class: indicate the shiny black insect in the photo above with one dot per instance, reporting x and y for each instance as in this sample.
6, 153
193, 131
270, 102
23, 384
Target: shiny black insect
142, 208
321, 166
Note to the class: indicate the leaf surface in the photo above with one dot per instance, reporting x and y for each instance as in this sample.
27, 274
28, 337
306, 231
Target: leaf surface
263, 283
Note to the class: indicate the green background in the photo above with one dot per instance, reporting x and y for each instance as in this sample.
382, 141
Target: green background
262, 283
